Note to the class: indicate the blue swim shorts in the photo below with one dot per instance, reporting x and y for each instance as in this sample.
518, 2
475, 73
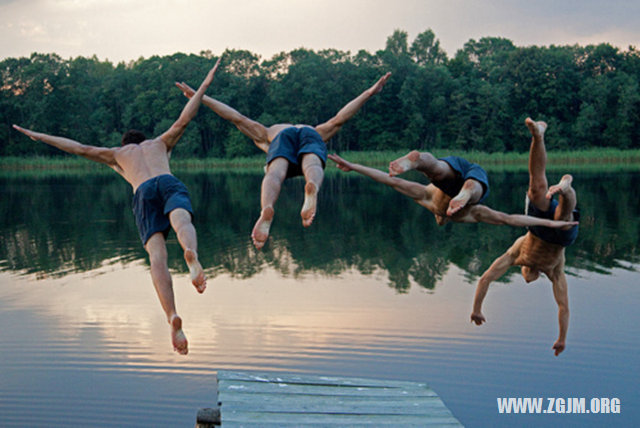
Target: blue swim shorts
293, 142
547, 234
154, 200
464, 170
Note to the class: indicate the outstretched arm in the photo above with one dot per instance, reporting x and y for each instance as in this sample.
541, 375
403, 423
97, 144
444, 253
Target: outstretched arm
171, 137
495, 271
411, 189
99, 154
333, 125
252, 129
484, 214
561, 294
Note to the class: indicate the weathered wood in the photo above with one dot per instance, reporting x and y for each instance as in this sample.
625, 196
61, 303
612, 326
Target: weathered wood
323, 419
285, 400
288, 378
335, 404
284, 388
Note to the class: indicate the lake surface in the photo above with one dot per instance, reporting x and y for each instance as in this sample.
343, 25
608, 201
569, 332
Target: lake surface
374, 288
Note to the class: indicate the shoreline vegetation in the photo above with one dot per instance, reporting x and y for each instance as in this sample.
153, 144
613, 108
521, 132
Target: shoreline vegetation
599, 159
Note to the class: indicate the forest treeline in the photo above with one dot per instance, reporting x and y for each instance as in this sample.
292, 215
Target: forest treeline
476, 100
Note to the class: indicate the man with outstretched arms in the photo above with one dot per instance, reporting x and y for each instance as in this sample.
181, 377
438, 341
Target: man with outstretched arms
292, 150
542, 248
160, 200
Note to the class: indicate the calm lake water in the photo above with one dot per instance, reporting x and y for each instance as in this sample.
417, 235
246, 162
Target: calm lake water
372, 289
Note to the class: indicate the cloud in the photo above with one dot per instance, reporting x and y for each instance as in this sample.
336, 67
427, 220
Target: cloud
127, 29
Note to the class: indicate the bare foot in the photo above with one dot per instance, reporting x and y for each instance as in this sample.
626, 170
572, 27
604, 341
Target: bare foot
195, 270
179, 340
404, 164
562, 187
537, 129
459, 202
308, 212
260, 231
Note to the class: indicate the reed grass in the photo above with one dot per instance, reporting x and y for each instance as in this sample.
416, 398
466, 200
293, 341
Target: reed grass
575, 160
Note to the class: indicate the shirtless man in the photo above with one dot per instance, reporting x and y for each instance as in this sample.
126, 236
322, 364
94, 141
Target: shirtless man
438, 202
160, 200
541, 249
463, 181
292, 150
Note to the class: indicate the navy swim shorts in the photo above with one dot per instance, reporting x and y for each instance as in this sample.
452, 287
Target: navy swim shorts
464, 170
547, 234
154, 200
293, 142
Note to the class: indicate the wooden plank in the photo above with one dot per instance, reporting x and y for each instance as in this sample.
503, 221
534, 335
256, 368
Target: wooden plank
289, 378
359, 391
279, 399
349, 405
327, 419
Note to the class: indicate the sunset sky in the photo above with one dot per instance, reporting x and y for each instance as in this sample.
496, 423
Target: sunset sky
122, 30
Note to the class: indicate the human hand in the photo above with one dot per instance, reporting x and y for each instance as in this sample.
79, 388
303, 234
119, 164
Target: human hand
377, 87
29, 133
478, 318
340, 163
186, 89
558, 347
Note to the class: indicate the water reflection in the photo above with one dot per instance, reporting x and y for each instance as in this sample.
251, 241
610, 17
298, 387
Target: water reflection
53, 226
89, 344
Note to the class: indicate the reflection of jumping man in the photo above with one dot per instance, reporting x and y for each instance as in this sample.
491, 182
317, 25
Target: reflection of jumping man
292, 150
160, 200
468, 184
541, 249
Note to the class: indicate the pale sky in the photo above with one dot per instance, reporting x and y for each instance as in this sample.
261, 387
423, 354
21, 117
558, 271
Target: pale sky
123, 30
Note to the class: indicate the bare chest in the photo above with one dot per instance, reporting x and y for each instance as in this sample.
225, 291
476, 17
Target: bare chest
540, 255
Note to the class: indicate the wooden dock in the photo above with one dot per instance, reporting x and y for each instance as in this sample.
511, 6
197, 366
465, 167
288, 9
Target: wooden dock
255, 399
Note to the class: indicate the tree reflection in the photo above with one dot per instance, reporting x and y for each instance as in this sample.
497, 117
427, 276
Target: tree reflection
59, 224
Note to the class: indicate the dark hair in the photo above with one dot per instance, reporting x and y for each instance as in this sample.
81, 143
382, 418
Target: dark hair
132, 136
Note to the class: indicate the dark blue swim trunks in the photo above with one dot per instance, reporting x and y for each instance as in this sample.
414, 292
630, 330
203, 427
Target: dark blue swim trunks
464, 170
547, 234
291, 143
154, 200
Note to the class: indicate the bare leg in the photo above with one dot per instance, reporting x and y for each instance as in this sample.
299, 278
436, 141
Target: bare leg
161, 278
567, 199
313, 174
425, 162
538, 185
185, 231
470, 193
271, 185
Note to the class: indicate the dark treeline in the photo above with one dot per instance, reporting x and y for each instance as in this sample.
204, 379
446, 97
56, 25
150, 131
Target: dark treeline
476, 100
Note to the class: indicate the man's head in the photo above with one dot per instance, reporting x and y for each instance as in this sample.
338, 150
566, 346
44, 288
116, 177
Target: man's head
132, 136
529, 274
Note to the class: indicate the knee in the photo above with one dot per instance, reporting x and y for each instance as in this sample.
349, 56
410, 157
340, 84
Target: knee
275, 176
537, 191
158, 261
179, 218
158, 257
473, 186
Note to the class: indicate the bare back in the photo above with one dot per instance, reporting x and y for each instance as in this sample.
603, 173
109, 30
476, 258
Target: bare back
274, 130
138, 163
